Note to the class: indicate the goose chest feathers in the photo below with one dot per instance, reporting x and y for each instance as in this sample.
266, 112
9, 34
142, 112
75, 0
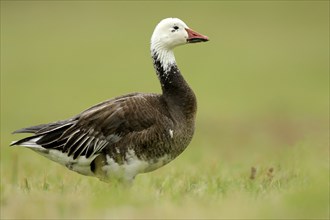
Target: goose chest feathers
130, 134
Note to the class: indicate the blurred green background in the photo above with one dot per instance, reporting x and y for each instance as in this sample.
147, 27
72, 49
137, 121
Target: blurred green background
262, 83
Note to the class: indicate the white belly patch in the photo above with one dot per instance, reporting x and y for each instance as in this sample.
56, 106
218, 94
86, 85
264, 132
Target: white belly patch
131, 166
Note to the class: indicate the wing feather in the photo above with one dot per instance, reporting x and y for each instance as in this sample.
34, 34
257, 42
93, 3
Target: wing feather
77, 142
98, 127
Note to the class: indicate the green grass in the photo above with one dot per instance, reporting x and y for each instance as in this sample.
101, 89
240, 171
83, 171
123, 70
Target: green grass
206, 188
262, 84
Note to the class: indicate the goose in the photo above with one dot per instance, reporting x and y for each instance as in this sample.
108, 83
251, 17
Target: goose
130, 134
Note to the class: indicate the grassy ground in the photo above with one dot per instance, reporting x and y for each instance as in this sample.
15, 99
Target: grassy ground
261, 148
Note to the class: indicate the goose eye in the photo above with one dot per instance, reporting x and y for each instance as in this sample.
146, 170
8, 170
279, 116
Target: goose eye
175, 28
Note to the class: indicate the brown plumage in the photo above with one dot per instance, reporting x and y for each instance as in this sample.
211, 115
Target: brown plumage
130, 134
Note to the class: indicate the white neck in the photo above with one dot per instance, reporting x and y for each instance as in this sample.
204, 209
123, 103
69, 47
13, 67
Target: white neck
165, 56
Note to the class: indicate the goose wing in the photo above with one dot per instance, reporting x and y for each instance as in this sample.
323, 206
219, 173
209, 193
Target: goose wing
94, 129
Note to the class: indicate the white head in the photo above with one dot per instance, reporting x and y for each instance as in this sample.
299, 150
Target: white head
169, 33
172, 32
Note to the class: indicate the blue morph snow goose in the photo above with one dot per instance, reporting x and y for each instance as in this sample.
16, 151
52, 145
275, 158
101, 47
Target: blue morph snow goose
130, 134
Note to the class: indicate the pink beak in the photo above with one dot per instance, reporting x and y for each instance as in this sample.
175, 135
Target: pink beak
194, 37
